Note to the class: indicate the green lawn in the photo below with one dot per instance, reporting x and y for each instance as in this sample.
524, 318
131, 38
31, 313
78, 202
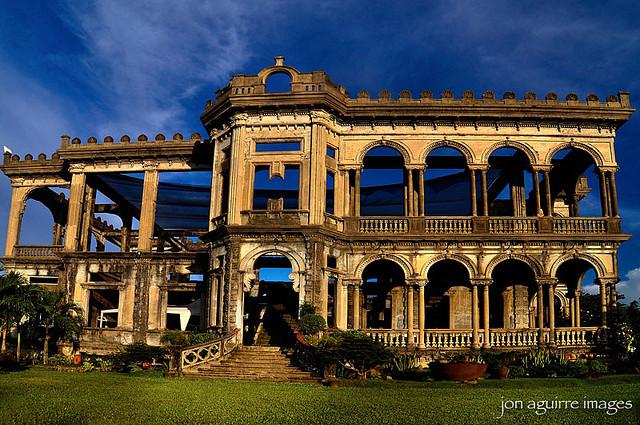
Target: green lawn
45, 396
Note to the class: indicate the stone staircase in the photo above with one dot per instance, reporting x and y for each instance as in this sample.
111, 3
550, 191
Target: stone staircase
253, 363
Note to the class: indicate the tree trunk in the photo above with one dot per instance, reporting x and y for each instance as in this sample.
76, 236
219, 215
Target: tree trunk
4, 338
18, 347
45, 357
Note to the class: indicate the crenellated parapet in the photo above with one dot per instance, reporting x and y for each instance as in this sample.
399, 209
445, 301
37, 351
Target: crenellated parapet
13, 165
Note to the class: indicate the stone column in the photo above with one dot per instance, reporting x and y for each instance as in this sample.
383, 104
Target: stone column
577, 308
536, 191
76, 202
421, 193
614, 194
421, 308
474, 314
342, 304
409, 314
474, 195
125, 233
603, 302
540, 295
485, 308
18, 200
485, 194
547, 193
357, 193
87, 218
148, 211
356, 305
551, 289
604, 199
409, 199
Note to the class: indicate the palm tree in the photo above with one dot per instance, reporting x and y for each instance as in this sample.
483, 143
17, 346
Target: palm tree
18, 300
58, 317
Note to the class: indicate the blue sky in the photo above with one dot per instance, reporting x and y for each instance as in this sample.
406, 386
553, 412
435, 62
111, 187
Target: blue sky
115, 67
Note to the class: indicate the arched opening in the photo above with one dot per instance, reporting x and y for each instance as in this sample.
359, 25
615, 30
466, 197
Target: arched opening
271, 304
514, 284
278, 82
44, 219
382, 183
575, 283
510, 184
447, 183
448, 296
383, 299
575, 185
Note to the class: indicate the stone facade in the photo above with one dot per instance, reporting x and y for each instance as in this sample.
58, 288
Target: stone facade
385, 274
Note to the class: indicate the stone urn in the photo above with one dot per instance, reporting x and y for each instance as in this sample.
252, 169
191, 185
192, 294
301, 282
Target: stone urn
464, 371
503, 372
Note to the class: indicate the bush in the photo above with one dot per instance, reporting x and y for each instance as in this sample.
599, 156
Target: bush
135, 356
543, 363
59, 360
198, 338
402, 364
312, 324
355, 351
307, 308
174, 337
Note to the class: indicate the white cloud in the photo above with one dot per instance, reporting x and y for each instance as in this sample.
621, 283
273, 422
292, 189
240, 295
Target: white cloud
143, 59
630, 285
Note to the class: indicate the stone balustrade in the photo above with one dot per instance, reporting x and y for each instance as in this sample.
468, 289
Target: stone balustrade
37, 251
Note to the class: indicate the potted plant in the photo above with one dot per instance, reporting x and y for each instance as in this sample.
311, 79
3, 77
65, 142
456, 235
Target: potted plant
465, 367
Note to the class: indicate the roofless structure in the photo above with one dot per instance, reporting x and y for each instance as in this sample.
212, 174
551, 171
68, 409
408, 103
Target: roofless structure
436, 222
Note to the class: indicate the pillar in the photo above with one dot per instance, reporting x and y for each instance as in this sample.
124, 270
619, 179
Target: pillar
577, 308
536, 191
485, 195
613, 295
342, 304
540, 314
421, 192
614, 194
148, 211
87, 218
604, 199
474, 195
18, 199
547, 193
485, 309
356, 306
76, 201
409, 202
603, 303
125, 233
551, 290
356, 193
474, 314
421, 308
409, 318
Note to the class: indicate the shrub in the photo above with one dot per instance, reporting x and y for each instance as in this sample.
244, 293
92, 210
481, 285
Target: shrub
198, 338
131, 357
402, 362
354, 351
59, 360
312, 324
543, 363
174, 337
307, 308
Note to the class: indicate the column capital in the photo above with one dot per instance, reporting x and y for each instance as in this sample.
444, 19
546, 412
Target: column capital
415, 166
546, 280
478, 167
416, 282
481, 281
351, 282
349, 167
608, 281
609, 168
77, 167
541, 168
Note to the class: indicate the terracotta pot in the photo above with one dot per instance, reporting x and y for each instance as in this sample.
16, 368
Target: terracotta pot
503, 372
464, 371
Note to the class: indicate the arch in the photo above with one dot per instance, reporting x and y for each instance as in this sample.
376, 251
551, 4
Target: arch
402, 262
461, 147
589, 150
402, 149
55, 203
531, 262
278, 82
247, 262
594, 261
465, 261
284, 69
529, 152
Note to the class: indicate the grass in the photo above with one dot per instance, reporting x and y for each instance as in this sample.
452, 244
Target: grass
45, 396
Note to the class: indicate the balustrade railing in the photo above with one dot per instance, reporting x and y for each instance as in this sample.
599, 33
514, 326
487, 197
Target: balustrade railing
498, 338
196, 355
449, 225
579, 225
39, 251
511, 225
384, 225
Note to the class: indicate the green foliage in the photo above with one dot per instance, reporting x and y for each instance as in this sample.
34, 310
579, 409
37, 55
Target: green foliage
198, 338
174, 337
542, 362
307, 308
355, 351
404, 365
312, 324
133, 356
471, 356
60, 360
177, 338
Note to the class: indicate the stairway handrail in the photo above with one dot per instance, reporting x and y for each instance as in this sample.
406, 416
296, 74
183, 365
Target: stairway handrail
195, 355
